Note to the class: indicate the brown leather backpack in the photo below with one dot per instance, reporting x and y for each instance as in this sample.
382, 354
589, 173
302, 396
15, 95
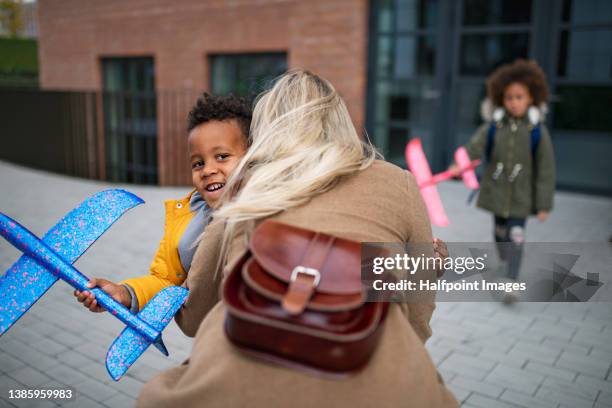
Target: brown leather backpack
296, 298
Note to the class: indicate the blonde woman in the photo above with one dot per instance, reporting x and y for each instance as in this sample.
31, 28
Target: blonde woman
307, 167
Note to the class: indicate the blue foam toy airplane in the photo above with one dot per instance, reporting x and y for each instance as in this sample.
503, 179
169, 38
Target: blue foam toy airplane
45, 261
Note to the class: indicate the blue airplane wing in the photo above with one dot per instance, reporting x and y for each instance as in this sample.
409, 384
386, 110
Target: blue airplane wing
26, 281
126, 348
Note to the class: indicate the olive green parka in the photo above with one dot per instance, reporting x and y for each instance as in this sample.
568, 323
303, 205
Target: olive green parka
515, 182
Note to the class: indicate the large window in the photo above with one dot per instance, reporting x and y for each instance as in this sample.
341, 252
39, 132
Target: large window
130, 123
429, 59
245, 74
402, 70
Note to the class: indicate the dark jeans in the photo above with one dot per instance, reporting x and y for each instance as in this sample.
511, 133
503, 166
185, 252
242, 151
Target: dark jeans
510, 234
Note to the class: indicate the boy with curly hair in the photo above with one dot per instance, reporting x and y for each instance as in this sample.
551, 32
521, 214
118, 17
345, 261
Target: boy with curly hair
218, 129
519, 164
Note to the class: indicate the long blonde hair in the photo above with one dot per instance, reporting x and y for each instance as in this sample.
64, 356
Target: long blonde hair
302, 141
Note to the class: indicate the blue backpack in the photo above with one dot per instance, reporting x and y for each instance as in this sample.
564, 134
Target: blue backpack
536, 135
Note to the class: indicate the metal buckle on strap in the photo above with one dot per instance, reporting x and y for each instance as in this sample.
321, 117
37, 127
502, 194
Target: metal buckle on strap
306, 271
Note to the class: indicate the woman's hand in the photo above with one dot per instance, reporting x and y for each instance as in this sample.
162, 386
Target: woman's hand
440, 251
117, 292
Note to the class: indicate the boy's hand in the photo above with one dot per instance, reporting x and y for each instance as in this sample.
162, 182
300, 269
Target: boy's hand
440, 251
542, 216
117, 292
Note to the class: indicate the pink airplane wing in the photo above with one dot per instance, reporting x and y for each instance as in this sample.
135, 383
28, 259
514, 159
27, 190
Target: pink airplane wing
418, 165
417, 162
465, 165
434, 206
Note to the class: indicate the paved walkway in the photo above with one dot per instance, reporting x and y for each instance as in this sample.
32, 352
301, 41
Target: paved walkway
529, 355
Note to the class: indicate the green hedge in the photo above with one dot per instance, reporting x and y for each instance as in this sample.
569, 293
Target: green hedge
18, 55
18, 62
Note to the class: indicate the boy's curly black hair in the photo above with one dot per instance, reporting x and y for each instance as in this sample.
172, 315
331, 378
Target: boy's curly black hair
212, 107
524, 72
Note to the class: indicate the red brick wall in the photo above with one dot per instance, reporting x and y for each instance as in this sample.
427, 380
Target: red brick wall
328, 37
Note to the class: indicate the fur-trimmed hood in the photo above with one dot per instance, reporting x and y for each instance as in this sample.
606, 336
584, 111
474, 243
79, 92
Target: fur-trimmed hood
490, 113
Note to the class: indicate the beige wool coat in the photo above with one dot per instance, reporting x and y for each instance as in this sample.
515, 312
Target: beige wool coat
379, 204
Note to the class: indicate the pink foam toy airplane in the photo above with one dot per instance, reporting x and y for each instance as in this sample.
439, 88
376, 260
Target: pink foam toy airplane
419, 166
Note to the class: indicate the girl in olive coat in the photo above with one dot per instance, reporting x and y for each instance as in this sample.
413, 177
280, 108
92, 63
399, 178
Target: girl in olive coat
515, 146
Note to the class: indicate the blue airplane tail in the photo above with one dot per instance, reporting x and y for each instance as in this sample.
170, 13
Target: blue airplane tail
126, 349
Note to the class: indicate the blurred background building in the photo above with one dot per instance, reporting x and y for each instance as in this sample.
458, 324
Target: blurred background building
117, 78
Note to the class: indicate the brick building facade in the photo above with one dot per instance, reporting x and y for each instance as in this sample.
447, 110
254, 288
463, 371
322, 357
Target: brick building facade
328, 37
406, 68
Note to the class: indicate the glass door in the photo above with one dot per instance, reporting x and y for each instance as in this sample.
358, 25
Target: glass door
581, 81
488, 33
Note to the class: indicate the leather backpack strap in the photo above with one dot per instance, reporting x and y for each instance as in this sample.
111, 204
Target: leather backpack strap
306, 277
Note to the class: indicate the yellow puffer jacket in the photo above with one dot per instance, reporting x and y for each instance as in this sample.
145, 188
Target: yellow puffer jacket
166, 268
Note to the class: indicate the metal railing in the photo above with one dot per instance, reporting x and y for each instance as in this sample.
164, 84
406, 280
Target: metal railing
51, 130
134, 137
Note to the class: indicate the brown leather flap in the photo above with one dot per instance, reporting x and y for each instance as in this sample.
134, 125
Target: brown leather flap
278, 248
268, 286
